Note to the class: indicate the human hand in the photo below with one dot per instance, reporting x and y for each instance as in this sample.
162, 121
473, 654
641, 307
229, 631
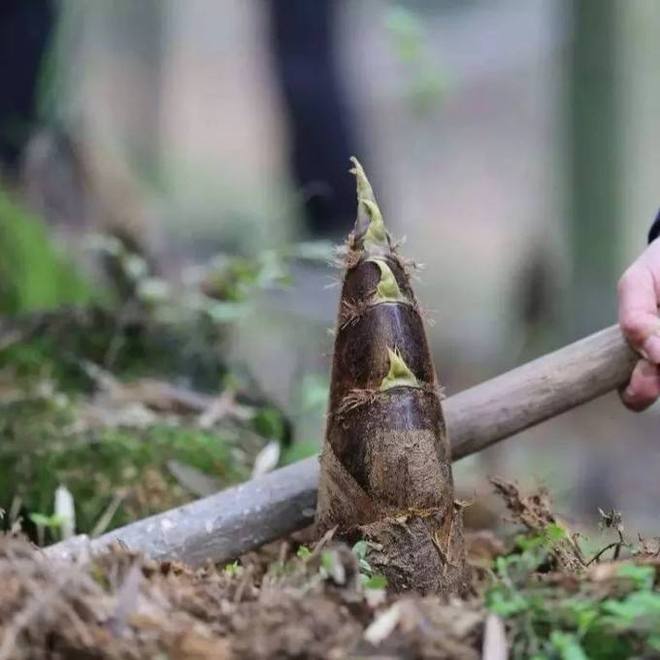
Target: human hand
639, 297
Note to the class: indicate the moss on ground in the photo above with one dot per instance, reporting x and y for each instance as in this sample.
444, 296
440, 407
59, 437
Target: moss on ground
105, 405
125, 469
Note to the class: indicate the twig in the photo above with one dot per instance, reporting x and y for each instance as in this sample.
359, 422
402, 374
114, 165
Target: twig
602, 551
107, 515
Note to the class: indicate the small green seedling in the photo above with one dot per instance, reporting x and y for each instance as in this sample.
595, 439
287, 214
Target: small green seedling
584, 620
44, 522
303, 552
368, 578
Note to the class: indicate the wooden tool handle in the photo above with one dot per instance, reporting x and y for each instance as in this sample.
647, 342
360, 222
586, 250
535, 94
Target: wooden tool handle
541, 389
239, 519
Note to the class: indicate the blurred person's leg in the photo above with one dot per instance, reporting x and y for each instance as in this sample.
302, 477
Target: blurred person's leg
320, 126
60, 172
320, 142
25, 28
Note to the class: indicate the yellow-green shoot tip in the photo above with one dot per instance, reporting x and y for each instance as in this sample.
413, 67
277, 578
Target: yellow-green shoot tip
364, 189
369, 226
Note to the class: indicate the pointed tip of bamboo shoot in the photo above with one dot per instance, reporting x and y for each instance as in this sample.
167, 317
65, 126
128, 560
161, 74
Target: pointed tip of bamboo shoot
399, 374
370, 229
364, 189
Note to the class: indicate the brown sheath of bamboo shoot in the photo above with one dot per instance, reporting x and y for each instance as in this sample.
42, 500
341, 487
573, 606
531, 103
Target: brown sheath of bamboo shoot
386, 473
234, 521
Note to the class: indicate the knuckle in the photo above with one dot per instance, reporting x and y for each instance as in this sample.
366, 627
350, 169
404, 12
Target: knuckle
630, 325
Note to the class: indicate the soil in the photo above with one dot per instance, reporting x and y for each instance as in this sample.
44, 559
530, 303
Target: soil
274, 605
286, 601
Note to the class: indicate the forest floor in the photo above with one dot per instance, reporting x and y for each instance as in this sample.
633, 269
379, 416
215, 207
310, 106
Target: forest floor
532, 596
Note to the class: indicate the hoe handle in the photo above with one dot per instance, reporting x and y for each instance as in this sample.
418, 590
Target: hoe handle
541, 389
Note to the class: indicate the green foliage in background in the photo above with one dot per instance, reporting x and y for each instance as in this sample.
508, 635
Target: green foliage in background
33, 276
60, 344
426, 81
61, 358
122, 468
60, 425
570, 618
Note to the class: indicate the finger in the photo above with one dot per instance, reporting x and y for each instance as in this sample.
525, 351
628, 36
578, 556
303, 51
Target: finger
638, 311
644, 387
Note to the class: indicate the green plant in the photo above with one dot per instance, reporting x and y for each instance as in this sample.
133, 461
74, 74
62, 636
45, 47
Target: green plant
33, 274
369, 579
44, 522
41, 449
303, 552
548, 619
426, 81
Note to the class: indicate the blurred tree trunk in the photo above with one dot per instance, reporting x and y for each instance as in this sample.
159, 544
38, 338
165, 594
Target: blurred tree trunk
595, 233
594, 156
139, 28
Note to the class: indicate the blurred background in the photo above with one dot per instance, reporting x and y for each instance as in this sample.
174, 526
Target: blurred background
169, 148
